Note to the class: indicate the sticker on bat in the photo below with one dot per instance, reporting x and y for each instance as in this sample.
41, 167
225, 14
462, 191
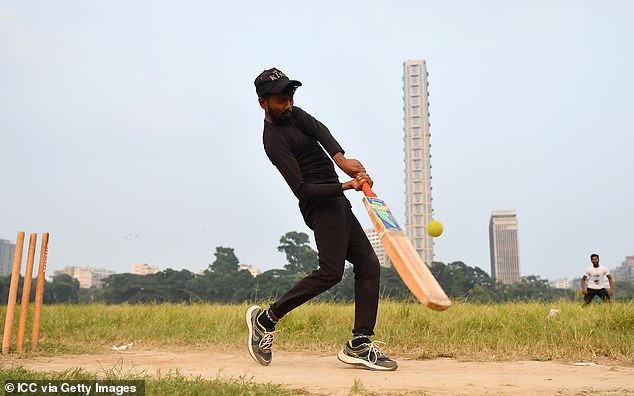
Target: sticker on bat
384, 213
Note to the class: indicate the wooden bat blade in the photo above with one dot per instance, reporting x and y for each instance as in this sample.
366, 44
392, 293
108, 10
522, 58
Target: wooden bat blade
409, 265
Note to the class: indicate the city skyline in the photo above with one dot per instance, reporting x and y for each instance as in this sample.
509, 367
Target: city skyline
625, 267
133, 133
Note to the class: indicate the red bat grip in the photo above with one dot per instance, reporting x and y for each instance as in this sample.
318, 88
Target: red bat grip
367, 190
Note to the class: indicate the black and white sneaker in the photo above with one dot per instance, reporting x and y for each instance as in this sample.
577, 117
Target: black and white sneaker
367, 355
260, 339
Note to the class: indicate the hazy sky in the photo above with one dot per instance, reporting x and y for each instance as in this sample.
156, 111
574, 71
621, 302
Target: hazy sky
131, 130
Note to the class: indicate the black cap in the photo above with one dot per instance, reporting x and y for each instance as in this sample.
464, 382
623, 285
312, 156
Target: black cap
273, 81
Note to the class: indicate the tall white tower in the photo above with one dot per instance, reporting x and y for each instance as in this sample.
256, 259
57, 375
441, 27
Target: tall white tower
418, 209
505, 246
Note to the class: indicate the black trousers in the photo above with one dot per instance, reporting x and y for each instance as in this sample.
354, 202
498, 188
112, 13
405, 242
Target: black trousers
339, 237
603, 293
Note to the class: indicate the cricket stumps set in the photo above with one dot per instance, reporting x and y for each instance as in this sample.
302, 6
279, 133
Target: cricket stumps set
409, 265
26, 293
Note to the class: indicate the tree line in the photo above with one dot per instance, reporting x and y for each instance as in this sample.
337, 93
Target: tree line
62, 290
223, 282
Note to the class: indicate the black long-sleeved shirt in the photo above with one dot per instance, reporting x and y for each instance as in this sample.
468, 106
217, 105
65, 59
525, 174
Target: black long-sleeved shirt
294, 148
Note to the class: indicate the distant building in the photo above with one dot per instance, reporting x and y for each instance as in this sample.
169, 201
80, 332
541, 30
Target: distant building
144, 269
504, 246
88, 277
625, 272
575, 284
246, 267
417, 150
561, 283
375, 241
7, 252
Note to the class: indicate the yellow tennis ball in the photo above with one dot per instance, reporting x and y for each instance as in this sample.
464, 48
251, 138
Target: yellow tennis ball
434, 228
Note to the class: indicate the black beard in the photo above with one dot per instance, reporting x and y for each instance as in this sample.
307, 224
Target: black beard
283, 119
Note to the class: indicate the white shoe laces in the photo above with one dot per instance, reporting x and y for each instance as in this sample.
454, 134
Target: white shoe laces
267, 339
375, 351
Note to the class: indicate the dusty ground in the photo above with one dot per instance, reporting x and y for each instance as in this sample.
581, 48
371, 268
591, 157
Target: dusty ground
326, 375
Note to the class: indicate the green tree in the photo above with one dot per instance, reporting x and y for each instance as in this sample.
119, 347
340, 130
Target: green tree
243, 286
225, 287
222, 282
484, 295
130, 288
623, 291
458, 279
5, 282
532, 288
342, 291
226, 261
272, 283
300, 256
528, 288
164, 286
63, 290
170, 286
392, 286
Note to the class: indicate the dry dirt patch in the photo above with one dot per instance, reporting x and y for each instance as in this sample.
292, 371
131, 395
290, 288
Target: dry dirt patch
326, 375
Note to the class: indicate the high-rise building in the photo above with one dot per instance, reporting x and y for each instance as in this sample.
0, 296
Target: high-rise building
7, 252
418, 209
625, 272
375, 241
505, 248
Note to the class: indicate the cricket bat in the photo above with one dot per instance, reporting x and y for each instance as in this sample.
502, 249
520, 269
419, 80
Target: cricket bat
409, 265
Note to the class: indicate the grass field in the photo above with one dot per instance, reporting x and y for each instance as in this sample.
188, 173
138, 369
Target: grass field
513, 331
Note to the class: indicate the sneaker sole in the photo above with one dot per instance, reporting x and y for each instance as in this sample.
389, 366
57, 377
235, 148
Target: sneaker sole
249, 325
361, 362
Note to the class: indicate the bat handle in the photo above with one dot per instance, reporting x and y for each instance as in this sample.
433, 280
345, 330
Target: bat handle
367, 190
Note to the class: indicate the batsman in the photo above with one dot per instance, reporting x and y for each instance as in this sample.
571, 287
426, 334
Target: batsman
303, 150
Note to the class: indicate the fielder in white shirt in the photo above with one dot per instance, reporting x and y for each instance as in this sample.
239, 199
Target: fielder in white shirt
596, 283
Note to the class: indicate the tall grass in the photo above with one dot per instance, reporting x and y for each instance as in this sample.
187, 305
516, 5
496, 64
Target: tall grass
512, 331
